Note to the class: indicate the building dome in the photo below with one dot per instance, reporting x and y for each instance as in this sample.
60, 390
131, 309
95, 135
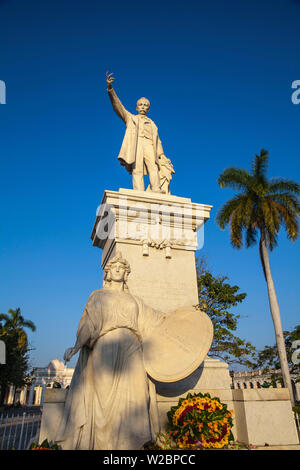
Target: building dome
56, 365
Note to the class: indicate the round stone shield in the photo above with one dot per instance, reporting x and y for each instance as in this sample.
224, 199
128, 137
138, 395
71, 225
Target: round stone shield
176, 347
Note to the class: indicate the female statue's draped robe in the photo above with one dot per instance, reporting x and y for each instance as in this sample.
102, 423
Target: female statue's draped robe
111, 403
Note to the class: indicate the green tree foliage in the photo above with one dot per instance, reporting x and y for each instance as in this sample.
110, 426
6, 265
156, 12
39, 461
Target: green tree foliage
216, 298
15, 371
268, 357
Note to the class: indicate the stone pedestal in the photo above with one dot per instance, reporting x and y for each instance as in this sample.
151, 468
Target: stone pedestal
53, 407
158, 235
264, 416
212, 374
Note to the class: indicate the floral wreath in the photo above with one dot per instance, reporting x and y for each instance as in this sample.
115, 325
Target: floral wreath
199, 421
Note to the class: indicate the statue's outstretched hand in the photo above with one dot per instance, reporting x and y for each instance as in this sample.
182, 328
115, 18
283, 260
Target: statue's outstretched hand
109, 80
68, 354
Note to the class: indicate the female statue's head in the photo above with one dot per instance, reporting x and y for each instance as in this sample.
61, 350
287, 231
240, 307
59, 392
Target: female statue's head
117, 270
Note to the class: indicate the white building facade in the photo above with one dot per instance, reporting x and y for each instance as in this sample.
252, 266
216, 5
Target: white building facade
55, 375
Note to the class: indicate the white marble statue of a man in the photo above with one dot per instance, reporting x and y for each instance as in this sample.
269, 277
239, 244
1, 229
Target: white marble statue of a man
141, 148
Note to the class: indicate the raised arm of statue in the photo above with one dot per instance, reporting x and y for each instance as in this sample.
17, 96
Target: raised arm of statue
115, 101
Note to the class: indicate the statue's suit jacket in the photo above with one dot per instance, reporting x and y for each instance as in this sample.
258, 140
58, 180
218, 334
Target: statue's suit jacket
128, 150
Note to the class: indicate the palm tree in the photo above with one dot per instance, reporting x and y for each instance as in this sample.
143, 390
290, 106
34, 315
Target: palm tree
12, 332
261, 207
13, 320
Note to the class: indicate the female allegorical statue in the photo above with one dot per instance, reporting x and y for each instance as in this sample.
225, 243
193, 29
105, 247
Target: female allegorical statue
111, 402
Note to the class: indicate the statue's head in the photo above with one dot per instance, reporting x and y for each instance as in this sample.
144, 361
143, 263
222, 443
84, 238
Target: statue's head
117, 270
143, 106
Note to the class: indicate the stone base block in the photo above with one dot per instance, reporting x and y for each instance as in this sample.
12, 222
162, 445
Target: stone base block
54, 402
157, 234
212, 373
260, 415
264, 416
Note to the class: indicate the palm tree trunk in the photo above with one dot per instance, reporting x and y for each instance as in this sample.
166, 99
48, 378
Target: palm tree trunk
275, 312
2, 392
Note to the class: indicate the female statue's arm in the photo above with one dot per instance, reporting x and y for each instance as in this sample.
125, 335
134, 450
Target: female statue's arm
83, 337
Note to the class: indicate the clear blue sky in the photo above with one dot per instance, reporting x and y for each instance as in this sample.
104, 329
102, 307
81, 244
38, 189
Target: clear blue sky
218, 75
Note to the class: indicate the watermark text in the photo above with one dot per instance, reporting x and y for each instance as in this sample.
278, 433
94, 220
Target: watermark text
296, 354
2, 352
2, 92
296, 94
151, 225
